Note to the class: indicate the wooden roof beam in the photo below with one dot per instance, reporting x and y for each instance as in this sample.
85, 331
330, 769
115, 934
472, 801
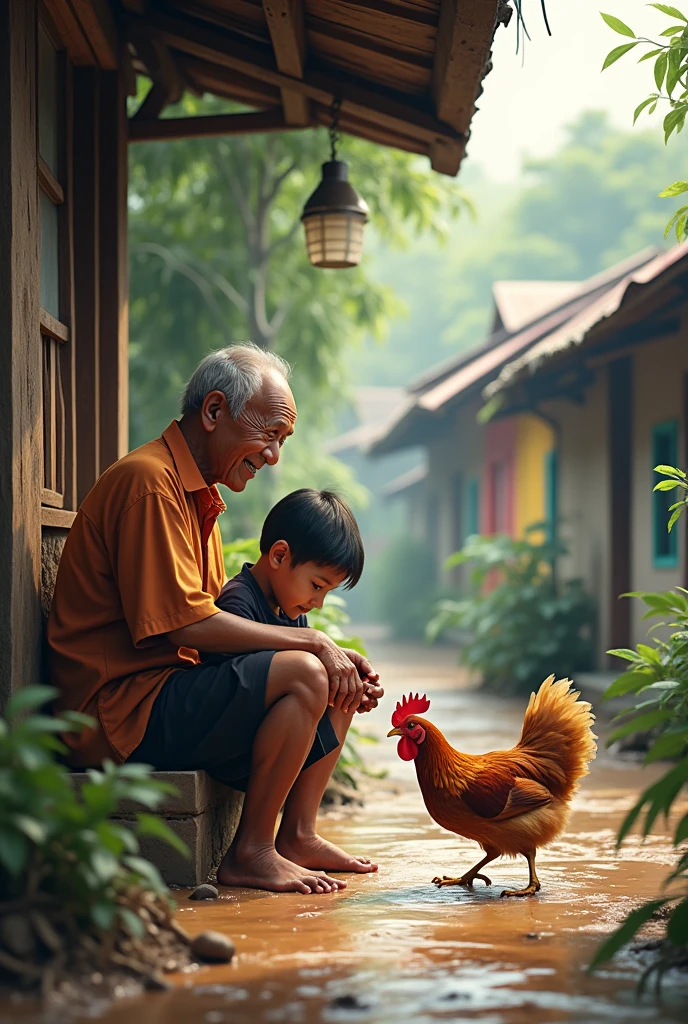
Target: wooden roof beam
464, 39
99, 26
287, 29
394, 111
208, 126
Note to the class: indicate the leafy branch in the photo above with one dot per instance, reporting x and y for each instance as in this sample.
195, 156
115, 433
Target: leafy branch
671, 82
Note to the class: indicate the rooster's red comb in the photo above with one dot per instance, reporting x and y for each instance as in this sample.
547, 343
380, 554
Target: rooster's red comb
410, 706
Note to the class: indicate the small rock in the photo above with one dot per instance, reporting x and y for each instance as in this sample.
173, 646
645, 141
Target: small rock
17, 936
213, 947
204, 892
348, 1002
532, 935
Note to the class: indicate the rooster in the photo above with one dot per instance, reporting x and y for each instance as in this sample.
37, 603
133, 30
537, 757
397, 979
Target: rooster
509, 801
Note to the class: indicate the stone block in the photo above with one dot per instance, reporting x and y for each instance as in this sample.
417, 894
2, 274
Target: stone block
204, 814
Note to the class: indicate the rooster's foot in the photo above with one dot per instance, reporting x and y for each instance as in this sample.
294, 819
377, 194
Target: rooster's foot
529, 890
465, 880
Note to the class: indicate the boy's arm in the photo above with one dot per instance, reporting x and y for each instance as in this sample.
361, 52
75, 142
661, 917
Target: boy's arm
225, 633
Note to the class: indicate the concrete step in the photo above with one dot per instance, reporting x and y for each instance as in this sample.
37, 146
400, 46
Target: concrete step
204, 814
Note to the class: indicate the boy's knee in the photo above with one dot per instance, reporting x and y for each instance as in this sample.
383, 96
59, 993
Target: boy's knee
306, 679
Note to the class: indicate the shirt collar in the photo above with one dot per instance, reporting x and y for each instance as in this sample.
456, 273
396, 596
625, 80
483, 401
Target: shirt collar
189, 473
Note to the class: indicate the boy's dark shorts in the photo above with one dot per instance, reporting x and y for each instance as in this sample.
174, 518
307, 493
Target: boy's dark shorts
207, 717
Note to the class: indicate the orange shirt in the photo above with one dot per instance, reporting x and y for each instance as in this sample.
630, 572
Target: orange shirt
143, 557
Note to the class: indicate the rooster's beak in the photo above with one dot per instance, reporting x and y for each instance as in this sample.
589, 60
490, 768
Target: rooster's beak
394, 732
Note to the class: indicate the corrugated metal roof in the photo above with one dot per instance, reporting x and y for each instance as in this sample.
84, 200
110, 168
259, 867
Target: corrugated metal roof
577, 327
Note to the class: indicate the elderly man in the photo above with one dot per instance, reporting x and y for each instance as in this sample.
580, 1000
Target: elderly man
134, 603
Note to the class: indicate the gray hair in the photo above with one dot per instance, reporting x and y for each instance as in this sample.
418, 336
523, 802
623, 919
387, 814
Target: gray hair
237, 371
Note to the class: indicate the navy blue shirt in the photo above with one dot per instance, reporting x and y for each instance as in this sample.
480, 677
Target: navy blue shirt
242, 596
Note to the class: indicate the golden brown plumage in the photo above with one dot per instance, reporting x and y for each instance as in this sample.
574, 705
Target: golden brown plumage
509, 801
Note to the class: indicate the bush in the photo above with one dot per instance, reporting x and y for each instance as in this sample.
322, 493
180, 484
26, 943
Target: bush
405, 586
61, 857
521, 623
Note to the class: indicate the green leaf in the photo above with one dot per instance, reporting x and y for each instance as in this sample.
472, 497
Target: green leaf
623, 935
675, 516
132, 922
149, 825
147, 871
677, 927
628, 682
672, 12
666, 485
32, 829
672, 470
641, 106
624, 652
666, 746
673, 121
28, 698
617, 52
13, 851
660, 69
672, 30
649, 55
681, 830
103, 915
617, 25
105, 865
641, 723
649, 655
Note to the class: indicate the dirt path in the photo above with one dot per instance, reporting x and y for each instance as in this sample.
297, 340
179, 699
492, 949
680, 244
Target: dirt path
392, 947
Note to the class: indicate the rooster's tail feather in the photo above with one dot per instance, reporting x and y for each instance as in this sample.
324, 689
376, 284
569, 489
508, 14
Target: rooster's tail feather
559, 725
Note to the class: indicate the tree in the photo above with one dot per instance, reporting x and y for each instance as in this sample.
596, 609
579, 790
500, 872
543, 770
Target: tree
671, 75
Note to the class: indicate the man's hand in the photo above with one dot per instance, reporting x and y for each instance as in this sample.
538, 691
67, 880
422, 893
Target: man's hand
353, 683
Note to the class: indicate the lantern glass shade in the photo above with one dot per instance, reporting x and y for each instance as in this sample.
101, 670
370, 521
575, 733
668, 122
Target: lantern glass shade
334, 218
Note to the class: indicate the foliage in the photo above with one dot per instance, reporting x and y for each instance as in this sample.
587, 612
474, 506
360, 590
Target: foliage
675, 478
60, 840
658, 675
521, 622
405, 586
671, 81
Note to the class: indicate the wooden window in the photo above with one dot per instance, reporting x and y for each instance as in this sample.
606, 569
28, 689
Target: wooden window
552, 492
500, 518
457, 511
472, 508
664, 453
53, 331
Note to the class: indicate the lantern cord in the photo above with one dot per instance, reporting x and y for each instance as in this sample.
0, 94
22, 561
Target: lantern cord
335, 110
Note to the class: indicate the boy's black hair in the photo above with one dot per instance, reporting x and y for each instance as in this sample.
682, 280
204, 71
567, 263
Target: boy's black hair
319, 527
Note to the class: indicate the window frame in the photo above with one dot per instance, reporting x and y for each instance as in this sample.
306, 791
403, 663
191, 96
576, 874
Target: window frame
471, 508
552, 492
665, 429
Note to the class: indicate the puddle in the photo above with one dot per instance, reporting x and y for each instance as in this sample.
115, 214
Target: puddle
393, 947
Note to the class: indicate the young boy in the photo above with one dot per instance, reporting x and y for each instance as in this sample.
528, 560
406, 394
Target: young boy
310, 544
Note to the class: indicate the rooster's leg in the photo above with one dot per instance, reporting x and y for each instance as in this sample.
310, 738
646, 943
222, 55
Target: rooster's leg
533, 880
469, 877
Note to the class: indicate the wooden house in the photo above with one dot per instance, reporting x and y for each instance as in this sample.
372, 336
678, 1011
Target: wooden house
561, 419
405, 74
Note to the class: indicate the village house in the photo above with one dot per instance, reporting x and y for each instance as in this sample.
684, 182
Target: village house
560, 417
398, 75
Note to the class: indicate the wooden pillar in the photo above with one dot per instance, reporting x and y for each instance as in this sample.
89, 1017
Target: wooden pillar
87, 275
620, 433
20, 353
114, 310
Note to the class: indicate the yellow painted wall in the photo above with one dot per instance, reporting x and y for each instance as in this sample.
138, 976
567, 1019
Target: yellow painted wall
534, 438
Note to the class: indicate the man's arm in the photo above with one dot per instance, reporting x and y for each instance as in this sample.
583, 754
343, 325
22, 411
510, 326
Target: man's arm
224, 633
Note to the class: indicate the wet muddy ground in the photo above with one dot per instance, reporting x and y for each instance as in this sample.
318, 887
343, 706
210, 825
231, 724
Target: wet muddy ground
392, 947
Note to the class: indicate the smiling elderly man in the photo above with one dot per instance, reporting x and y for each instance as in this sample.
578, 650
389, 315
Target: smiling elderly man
134, 603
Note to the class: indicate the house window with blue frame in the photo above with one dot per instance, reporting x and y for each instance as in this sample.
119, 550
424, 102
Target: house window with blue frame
551, 493
472, 509
664, 453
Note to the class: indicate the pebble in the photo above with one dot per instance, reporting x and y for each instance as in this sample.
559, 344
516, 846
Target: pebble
213, 947
532, 935
204, 892
348, 1002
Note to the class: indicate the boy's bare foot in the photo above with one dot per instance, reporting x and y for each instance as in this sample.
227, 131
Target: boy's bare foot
313, 849
264, 868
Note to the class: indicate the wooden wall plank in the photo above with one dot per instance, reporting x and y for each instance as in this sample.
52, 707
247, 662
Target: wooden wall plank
114, 305
86, 275
464, 39
68, 352
20, 354
620, 461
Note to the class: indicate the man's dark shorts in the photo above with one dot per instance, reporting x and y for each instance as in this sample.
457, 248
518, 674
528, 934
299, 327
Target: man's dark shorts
207, 717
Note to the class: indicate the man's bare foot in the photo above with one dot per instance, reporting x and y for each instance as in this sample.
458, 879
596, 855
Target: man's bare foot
264, 868
313, 849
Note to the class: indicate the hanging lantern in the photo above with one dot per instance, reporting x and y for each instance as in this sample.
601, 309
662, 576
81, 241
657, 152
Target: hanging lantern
335, 215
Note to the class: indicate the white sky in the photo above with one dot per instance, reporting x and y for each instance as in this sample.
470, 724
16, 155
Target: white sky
524, 109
